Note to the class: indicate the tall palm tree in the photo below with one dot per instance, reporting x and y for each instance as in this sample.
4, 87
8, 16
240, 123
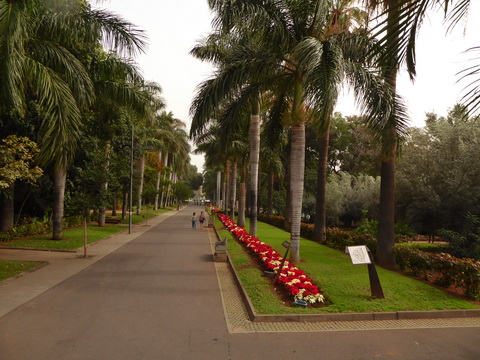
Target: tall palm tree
37, 43
221, 49
397, 32
280, 49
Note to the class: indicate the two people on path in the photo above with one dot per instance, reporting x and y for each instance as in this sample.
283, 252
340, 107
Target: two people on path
201, 219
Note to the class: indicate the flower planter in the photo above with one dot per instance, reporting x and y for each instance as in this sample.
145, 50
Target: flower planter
294, 280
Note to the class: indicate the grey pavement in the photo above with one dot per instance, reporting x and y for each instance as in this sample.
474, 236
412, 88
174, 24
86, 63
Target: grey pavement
157, 294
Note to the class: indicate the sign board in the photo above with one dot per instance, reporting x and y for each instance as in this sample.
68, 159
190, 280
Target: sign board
286, 244
358, 255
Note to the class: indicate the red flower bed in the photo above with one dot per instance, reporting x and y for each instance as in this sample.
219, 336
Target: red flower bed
295, 281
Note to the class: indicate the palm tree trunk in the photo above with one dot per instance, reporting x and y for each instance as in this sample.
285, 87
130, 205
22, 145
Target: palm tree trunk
102, 214
254, 160
60, 178
386, 220
386, 223
157, 185
124, 204
320, 206
227, 186
7, 209
140, 185
164, 178
297, 169
288, 202
104, 187
224, 191
219, 185
271, 178
234, 190
114, 205
242, 197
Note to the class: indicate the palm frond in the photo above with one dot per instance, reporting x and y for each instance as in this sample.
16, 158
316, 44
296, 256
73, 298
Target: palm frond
64, 62
60, 129
471, 96
14, 23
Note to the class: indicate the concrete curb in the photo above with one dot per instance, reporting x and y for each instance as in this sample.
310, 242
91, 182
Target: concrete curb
396, 315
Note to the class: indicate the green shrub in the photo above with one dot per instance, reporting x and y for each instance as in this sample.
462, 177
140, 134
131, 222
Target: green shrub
467, 243
33, 228
444, 269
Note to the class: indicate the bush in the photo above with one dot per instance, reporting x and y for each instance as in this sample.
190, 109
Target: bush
36, 227
33, 228
442, 269
467, 243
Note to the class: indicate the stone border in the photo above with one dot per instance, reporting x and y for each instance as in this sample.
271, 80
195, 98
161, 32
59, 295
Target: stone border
394, 315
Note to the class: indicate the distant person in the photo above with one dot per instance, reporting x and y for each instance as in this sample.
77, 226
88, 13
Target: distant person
194, 221
201, 219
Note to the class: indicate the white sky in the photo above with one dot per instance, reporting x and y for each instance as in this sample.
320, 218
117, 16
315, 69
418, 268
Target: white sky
174, 26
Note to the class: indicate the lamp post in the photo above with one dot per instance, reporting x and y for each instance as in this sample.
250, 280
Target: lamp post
131, 179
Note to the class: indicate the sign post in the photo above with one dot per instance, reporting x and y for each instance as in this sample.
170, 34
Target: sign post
361, 255
286, 245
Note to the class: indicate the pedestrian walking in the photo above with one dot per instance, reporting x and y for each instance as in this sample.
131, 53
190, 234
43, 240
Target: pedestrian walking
201, 219
194, 221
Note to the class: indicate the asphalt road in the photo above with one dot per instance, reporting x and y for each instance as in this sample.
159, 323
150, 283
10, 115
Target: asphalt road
158, 297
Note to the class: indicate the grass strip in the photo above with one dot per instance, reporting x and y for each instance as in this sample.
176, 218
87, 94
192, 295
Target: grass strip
11, 268
73, 237
346, 286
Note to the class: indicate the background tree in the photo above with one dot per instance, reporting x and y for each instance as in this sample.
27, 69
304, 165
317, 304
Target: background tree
17, 156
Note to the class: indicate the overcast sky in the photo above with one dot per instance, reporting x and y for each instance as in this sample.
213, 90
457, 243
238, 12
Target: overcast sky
174, 26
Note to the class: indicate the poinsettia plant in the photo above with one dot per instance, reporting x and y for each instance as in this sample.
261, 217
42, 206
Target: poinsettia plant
295, 281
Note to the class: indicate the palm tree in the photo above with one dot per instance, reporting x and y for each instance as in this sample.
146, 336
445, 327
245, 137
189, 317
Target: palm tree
280, 48
397, 32
37, 42
221, 49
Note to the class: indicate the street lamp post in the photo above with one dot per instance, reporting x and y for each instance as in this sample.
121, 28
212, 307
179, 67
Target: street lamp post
131, 179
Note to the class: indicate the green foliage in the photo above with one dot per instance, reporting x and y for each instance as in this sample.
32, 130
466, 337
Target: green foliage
437, 177
370, 228
36, 227
443, 269
465, 244
17, 155
182, 191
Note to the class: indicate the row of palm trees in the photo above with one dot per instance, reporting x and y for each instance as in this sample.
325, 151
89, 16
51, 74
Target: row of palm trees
289, 60
64, 64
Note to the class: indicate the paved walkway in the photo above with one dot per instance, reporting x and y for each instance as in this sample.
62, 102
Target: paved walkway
157, 294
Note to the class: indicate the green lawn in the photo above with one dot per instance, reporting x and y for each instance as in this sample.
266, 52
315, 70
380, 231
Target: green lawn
73, 237
346, 286
11, 268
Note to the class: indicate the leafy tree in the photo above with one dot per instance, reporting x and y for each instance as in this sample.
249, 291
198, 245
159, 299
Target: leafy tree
192, 177
39, 42
466, 243
182, 191
440, 163
16, 163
